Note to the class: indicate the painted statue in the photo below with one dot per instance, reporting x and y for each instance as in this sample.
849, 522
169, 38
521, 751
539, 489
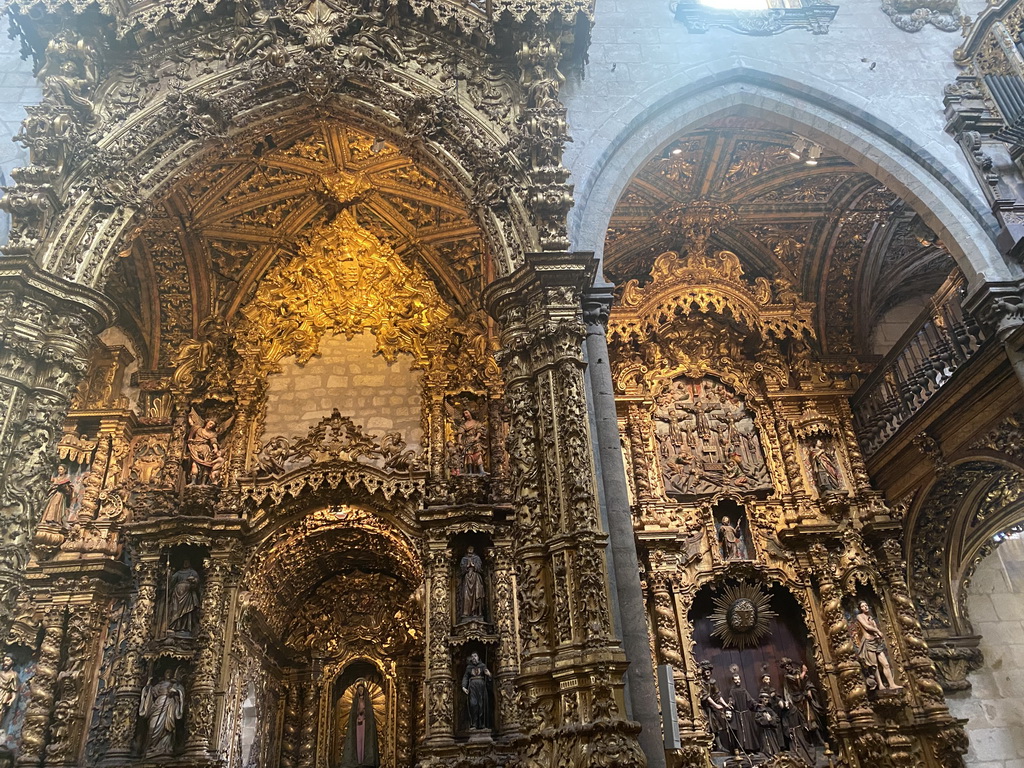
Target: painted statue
183, 601
730, 540
474, 685
744, 728
205, 460
825, 467
58, 499
871, 650
361, 749
472, 596
470, 443
716, 709
163, 706
9, 685
769, 725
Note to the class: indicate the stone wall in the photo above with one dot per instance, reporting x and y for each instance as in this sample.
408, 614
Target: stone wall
994, 708
348, 376
647, 76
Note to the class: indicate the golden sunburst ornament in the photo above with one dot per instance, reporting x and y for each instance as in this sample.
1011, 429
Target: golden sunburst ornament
741, 616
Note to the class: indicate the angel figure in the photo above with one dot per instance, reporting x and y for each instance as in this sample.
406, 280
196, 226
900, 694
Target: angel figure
470, 441
204, 457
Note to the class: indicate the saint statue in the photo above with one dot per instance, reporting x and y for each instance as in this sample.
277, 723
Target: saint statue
825, 467
742, 723
871, 651
769, 724
361, 749
8, 687
730, 541
58, 499
716, 709
163, 705
472, 597
183, 601
474, 685
204, 457
470, 443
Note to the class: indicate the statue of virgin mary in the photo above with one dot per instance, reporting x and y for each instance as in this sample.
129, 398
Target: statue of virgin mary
360, 749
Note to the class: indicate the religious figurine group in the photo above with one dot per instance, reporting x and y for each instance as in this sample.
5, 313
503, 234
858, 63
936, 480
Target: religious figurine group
770, 723
707, 440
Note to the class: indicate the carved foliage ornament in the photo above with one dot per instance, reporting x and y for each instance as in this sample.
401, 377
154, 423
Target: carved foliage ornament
344, 280
914, 15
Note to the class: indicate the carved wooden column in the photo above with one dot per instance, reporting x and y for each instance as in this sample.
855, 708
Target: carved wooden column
290, 736
508, 655
130, 671
574, 670
440, 684
202, 702
42, 691
308, 726
70, 717
46, 327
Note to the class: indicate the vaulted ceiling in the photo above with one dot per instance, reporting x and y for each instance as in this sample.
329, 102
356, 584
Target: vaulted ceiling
223, 227
845, 241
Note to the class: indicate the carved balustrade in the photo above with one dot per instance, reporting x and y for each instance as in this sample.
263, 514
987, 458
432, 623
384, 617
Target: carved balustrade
942, 340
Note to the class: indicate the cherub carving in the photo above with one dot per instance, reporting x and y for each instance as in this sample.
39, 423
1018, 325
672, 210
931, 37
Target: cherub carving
204, 455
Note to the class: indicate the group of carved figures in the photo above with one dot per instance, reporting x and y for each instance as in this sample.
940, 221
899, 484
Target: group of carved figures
707, 440
773, 721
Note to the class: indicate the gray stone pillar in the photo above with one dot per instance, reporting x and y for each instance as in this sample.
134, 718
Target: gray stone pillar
640, 686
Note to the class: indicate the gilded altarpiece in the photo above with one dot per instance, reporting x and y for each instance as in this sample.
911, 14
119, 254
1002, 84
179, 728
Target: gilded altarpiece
774, 588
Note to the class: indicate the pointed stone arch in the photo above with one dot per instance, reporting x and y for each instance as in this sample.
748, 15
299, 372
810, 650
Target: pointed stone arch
931, 189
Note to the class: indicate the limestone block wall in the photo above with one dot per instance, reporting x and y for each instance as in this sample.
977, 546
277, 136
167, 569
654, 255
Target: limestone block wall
348, 376
643, 64
994, 708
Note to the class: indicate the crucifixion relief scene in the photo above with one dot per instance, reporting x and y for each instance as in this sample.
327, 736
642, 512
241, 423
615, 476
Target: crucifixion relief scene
512, 384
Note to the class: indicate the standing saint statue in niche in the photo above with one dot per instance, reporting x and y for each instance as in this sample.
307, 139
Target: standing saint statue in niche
469, 443
825, 466
472, 594
731, 540
474, 685
361, 749
183, 601
205, 460
163, 705
871, 650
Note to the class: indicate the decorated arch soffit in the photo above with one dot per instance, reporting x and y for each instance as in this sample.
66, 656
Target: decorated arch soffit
331, 230
139, 98
950, 528
340, 576
842, 244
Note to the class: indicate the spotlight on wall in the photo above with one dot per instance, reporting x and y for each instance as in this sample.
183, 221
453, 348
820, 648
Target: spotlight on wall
806, 150
377, 146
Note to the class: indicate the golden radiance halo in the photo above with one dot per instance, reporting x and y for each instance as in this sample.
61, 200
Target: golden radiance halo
742, 615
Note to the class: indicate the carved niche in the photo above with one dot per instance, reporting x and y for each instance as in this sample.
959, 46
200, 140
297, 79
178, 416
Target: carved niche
707, 440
